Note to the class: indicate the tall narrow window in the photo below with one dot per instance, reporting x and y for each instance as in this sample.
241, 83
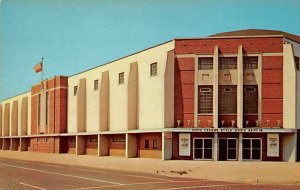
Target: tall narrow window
205, 63
39, 110
47, 108
153, 69
146, 143
96, 84
227, 99
121, 78
227, 63
250, 99
75, 90
250, 62
205, 99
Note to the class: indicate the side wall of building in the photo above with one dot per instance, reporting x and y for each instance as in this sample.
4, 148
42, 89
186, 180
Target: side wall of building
139, 89
16, 115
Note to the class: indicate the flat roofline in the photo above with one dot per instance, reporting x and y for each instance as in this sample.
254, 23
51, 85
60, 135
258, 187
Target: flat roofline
226, 37
121, 58
236, 37
15, 96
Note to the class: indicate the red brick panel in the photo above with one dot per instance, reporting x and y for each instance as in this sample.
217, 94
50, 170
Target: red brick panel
52, 145
272, 62
34, 115
185, 64
274, 76
150, 137
57, 105
184, 91
270, 91
272, 106
92, 145
251, 120
72, 142
184, 117
184, 105
227, 120
204, 120
273, 120
184, 77
250, 45
117, 145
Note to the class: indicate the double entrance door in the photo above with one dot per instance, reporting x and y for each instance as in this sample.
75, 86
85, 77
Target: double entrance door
227, 149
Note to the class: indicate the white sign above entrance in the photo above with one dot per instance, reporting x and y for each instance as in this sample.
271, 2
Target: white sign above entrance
233, 130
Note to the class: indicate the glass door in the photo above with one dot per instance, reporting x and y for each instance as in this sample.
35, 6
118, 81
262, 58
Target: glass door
203, 148
252, 149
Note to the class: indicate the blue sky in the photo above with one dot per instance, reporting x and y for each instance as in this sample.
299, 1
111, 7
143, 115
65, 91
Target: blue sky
76, 35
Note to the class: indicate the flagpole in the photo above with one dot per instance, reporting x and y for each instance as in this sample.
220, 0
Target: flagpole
42, 67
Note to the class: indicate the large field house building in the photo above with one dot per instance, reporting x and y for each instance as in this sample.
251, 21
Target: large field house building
230, 96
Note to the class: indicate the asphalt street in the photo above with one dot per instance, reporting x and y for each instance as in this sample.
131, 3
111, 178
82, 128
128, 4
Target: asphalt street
17, 174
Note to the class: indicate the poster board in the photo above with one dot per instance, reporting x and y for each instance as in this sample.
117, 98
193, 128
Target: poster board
273, 145
184, 144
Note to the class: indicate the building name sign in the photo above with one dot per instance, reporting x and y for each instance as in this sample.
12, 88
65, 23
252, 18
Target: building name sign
227, 130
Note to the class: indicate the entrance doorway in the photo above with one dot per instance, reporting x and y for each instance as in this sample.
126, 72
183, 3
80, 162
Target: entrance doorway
203, 148
227, 149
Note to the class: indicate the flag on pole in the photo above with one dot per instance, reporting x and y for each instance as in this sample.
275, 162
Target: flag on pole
38, 67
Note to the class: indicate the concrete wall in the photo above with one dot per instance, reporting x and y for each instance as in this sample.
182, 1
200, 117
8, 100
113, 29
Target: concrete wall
15, 114
150, 97
289, 87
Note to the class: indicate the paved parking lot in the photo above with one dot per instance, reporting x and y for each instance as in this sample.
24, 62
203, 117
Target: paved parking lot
17, 174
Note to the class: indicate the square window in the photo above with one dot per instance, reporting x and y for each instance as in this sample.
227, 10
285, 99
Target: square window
250, 62
155, 143
153, 69
205, 63
121, 78
227, 63
147, 143
96, 84
75, 90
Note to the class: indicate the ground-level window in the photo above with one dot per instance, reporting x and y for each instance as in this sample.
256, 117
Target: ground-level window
94, 140
146, 143
203, 148
155, 143
73, 140
252, 149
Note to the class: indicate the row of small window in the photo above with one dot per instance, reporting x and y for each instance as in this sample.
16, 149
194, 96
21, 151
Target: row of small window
153, 72
227, 100
154, 144
206, 63
42, 140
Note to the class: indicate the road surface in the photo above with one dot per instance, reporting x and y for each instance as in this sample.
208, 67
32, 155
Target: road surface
17, 174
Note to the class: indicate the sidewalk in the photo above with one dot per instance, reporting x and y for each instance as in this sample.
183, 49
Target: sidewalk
234, 171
